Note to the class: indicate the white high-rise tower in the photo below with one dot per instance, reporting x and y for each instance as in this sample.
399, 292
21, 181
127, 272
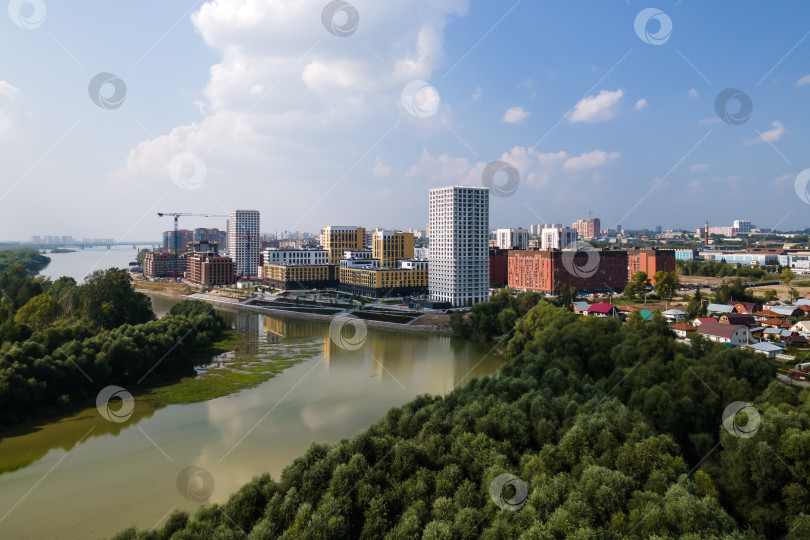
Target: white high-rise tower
459, 245
244, 241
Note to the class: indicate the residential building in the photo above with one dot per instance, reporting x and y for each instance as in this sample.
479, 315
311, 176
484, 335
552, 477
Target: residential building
725, 333
498, 267
391, 247
210, 235
459, 238
548, 270
650, 261
682, 329
558, 237
742, 226
770, 350
295, 256
210, 270
338, 238
177, 240
301, 277
602, 309
738, 319
163, 265
408, 279
686, 254
512, 238
244, 241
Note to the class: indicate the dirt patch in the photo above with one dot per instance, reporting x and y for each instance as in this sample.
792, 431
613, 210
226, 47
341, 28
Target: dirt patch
166, 288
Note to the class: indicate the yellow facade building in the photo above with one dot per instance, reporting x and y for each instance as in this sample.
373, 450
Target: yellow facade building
299, 277
391, 247
337, 239
411, 278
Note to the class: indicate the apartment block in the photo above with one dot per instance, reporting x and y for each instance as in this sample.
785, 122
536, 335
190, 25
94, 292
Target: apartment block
293, 277
408, 279
295, 256
459, 245
163, 265
244, 241
210, 270
548, 270
512, 238
337, 239
650, 261
390, 247
558, 237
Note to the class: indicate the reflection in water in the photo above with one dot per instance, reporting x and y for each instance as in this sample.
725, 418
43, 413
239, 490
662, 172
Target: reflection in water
124, 474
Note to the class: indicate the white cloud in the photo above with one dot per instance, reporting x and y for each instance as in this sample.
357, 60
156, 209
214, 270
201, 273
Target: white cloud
599, 108
772, 135
8, 90
591, 160
784, 179
804, 81
693, 93
536, 169
380, 169
515, 115
291, 104
699, 168
641, 104
476, 95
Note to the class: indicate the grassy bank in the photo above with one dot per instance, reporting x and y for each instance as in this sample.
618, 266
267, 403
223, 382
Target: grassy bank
230, 371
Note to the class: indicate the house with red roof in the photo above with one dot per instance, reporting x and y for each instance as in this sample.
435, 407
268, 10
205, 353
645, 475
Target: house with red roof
682, 329
701, 320
746, 308
603, 309
725, 333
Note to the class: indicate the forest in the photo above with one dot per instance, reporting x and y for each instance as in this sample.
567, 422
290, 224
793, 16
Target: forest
62, 342
605, 429
31, 259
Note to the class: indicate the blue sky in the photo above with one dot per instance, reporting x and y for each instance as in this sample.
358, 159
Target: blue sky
311, 128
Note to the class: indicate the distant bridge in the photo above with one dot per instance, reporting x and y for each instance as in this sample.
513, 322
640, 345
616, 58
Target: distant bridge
82, 245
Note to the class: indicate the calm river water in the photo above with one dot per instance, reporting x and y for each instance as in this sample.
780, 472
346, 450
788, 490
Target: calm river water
85, 477
85, 261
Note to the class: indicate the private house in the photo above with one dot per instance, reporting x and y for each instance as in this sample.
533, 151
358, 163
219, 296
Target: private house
802, 328
674, 315
719, 309
738, 318
581, 308
682, 329
776, 323
701, 320
768, 349
725, 333
747, 308
602, 309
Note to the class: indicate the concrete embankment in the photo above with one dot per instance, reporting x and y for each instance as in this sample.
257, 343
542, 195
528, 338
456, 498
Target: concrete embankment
236, 305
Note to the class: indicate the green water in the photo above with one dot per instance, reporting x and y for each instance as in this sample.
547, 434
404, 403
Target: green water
86, 477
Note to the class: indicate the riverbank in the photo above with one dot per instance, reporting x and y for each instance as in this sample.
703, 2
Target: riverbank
238, 305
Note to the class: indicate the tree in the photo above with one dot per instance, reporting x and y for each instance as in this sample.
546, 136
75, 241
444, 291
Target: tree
666, 283
696, 307
109, 300
787, 275
39, 313
637, 284
568, 295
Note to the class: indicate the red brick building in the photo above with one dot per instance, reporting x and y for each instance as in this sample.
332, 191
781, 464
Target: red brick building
650, 261
210, 270
548, 270
498, 266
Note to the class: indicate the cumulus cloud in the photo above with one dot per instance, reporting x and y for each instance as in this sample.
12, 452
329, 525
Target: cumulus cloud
536, 169
8, 108
699, 168
515, 115
804, 81
599, 108
476, 95
290, 103
693, 93
380, 169
772, 135
641, 104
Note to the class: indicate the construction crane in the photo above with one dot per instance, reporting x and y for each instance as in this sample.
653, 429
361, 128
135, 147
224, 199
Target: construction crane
176, 239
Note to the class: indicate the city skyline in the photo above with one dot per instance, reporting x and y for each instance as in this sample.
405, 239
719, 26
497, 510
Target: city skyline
201, 110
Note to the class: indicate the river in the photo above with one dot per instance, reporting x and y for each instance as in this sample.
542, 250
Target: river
86, 477
83, 262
